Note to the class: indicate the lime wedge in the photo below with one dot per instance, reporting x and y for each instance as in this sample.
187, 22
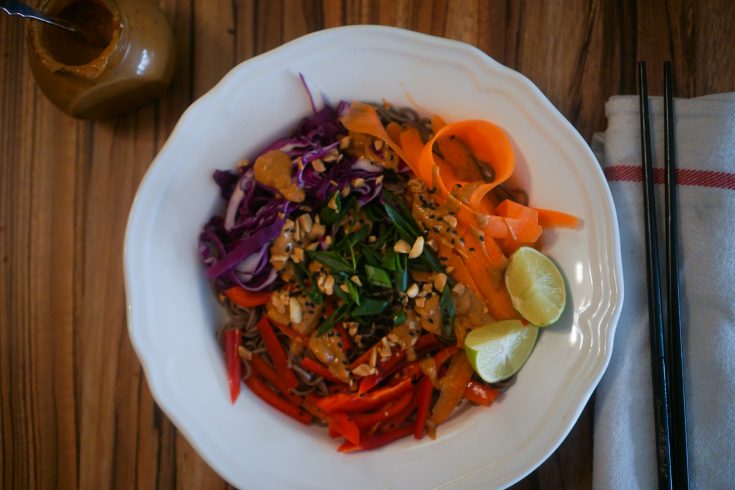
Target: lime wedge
497, 351
536, 286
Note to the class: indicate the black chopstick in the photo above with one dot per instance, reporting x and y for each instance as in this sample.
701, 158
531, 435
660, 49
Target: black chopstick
679, 454
655, 312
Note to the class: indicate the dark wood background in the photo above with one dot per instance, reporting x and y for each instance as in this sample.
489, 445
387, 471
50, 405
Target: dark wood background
75, 410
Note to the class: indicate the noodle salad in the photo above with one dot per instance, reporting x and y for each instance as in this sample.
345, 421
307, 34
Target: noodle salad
355, 256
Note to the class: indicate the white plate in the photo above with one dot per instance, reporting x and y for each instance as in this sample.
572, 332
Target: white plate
172, 314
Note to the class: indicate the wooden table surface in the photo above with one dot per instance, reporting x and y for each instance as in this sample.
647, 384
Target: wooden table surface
75, 410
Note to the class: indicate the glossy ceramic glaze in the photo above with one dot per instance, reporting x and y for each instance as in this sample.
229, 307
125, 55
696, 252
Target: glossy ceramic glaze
173, 316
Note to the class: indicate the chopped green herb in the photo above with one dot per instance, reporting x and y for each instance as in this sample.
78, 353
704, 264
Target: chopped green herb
400, 276
377, 277
333, 260
390, 260
371, 256
336, 316
354, 293
351, 251
356, 237
301, 273
400, 223
370, 306
400, 215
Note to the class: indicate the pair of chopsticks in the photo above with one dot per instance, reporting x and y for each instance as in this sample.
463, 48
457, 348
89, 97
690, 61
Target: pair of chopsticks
667, 361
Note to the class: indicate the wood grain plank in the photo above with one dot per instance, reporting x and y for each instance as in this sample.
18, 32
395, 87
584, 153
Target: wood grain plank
333, 13
713, 60
213, 41
245, 42
268, 25
52, 322
192, 473
119, 154
11, 267
301, 18
75, 411
40, 147
461, 21
422, 13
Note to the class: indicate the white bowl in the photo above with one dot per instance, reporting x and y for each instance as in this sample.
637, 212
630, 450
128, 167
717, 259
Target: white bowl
173, 316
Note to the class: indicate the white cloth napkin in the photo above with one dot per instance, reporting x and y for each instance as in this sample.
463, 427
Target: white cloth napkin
624, 456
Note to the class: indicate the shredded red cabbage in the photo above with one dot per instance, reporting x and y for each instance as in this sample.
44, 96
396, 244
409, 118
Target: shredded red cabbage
235, 246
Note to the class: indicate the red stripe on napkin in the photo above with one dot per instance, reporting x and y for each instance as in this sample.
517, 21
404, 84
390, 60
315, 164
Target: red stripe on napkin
684, 176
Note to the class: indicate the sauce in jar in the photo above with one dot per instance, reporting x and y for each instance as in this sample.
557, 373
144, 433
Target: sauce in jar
94, 20
124, 60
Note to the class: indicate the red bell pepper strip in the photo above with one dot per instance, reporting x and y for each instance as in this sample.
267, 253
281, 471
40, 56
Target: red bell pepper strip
373, 442
232, 338
341, 423
248, 299
269, 374
390, 366
353, 402
384, 370
275, 350
385, 412
257, 386
368, 383
425, 342
291, 333
346, 340
309, 404
397, 421
333, 433
315, 367
412, 370
481, 393
341, 388
423, 401
443, 355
